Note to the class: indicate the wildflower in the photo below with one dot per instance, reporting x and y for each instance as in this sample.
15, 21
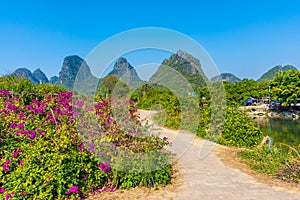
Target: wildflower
76, 114
25, 132
80, 148
15, 154
165, 138
105, 167
72, 136
13, 125
112, 190
5, 92
104, 189
91, 144
73, 189
21, 162
92, 134
7, 196
6, 168
21, 126
96, 191
2, 190
7, 162
42, 132
92, 188
32, 135
79, 103
91, 150
106, 124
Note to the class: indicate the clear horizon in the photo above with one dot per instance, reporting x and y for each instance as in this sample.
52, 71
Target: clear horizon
245, 39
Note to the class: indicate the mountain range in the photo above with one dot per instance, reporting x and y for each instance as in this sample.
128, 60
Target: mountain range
226, 77
181, 73
179, 66
270, 74
35, 77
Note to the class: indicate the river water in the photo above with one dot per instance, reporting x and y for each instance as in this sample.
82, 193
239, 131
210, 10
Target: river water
281, 130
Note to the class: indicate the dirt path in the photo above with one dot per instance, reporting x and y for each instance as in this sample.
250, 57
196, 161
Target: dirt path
206, 171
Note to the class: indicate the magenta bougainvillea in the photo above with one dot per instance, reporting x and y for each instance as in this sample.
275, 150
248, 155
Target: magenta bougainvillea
55, 146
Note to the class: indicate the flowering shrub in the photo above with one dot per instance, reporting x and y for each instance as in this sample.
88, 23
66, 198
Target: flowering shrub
53, 148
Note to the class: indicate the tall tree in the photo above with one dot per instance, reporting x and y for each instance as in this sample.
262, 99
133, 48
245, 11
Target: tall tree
286, 87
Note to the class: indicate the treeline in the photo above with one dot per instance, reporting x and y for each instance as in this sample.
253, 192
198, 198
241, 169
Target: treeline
218, 118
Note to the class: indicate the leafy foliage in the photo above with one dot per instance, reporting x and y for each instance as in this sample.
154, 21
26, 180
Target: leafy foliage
149, 95
45, 153
237, 93
286, 87
279, 161
238, 129
112, 85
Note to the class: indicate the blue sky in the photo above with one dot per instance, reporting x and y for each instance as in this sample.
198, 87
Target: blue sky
243, 37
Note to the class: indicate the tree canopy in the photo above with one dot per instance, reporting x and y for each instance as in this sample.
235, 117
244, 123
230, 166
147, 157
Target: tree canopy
286, 87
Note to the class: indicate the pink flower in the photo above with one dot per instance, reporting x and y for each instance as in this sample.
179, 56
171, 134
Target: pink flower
21, 126
4, 92
112, 190
80, 148
105, 167
7, 162
7, 196
2, 190
32, 135
106, 124
73, 189
91, 134
76, 114
13, 125
15, 154
6, 168
21, 162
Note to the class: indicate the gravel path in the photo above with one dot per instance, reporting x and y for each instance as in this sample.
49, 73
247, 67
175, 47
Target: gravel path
204, 175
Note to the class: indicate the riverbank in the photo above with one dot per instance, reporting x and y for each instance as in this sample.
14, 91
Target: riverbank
264, 111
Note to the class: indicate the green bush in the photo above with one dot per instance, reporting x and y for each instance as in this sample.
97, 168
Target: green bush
281, 162
237, 130
45, 154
